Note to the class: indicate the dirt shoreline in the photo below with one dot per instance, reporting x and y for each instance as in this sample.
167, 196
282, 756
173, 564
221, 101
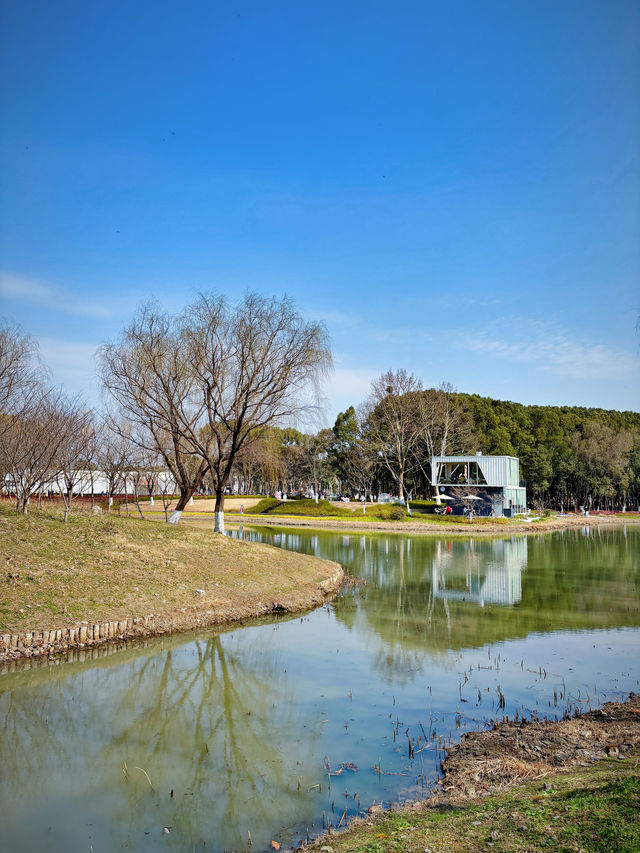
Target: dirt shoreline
26, 645
457, 529
485, 762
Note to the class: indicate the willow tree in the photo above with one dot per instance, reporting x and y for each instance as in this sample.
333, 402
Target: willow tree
22, 375
256, 364
32, 442
148, 376
202, 385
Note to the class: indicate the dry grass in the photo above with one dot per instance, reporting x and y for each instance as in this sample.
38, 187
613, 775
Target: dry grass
109, 568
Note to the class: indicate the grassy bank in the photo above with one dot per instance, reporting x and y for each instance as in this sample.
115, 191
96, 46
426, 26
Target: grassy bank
585, 809
98, 568
382, 517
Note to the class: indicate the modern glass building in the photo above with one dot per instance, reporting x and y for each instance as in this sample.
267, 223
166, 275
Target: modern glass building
490, 485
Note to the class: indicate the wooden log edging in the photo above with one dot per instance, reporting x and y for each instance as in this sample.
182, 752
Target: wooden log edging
30, 644
88, 635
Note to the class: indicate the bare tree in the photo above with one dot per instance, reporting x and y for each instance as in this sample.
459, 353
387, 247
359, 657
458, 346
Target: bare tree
256, 363
149, 465
445, 427
73, 458
31, 443
167, 485
93, 444
394, 425
261, 461
201, 386
113, 456
21, 373
148, 375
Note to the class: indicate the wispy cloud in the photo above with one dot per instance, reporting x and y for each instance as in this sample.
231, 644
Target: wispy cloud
448, 299
333, 317
24, 289
545, 347
348, 386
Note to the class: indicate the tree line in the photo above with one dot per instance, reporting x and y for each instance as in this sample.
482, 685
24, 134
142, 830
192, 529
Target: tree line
570, 456
186, 392
215, 395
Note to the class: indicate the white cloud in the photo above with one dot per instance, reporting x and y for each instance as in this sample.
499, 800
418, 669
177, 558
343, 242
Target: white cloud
23, 289
553, 351
347, 386
336, 317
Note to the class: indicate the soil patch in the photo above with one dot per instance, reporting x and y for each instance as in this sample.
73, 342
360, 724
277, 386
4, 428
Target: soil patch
490, 761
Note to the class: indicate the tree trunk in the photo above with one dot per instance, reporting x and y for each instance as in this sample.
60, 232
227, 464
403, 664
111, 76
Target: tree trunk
219, 511
137, 497
183, 500
401, 489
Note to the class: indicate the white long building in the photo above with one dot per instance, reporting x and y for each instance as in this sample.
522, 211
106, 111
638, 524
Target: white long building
97, 483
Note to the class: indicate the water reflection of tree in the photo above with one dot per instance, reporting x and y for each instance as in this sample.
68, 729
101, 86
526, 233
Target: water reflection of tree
219, 716
211, 721
30, 739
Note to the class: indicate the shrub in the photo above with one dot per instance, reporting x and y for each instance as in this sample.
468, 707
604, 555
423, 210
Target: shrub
396, 513
387, 512
422, 506
262, 506
304, 507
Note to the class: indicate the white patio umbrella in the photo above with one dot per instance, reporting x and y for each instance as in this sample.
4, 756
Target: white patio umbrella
444, 498
471, 498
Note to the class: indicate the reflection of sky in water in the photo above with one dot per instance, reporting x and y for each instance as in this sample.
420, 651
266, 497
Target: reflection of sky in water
240, 725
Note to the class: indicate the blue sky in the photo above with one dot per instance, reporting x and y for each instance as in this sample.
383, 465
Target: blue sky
452, 186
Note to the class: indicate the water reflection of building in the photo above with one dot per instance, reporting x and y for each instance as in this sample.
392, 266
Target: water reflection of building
484, 572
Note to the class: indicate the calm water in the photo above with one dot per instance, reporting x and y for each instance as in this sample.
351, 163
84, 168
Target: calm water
222, 734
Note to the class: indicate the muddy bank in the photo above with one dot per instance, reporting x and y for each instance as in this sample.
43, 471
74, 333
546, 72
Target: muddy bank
508, 758
210, 612
490, 761
453, 528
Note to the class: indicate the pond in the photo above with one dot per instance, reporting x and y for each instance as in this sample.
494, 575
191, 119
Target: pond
227, 740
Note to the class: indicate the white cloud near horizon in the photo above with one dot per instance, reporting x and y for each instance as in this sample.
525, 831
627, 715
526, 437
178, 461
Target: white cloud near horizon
547, 348
347, 386
26, 289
